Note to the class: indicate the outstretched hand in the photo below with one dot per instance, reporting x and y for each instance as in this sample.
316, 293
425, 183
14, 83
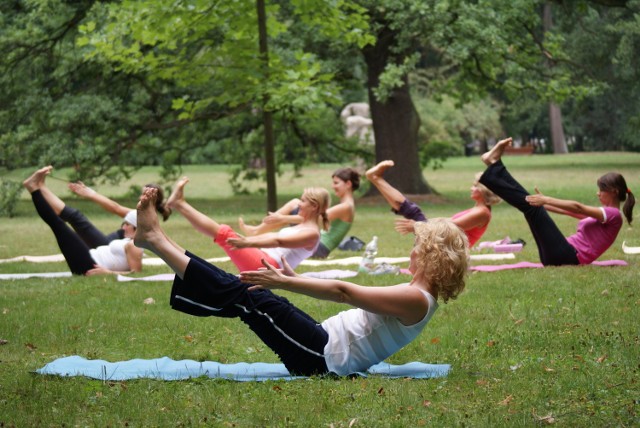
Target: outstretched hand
97, 270
405, 226
238, 242
287, 270
268, 277
536, 200
272, 218
80, 189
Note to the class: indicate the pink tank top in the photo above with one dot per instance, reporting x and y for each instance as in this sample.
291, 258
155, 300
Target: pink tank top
593, 238
474, 234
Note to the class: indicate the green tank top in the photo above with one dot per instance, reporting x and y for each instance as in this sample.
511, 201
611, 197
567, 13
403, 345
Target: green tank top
331, 238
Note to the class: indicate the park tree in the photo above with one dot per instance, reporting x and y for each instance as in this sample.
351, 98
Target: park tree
97, 84
126, 82
601, 42
558, 141
604, 38
465, 49
212, 50
61, 107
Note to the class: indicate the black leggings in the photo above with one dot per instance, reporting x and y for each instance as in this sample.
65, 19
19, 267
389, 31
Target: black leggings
86, 230
73, 247
294, 336
553, 247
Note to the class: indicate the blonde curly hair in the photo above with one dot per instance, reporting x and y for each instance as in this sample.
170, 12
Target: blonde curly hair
442, 256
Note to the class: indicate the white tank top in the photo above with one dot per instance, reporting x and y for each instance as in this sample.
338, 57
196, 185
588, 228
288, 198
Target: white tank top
112, 256
359, 339
293, 256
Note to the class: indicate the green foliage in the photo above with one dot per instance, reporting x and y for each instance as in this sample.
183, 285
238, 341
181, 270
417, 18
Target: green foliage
435, 153
174, 41
393, 77
607, 118
601, 114
447, 126
9, 195
99, 85
105, 87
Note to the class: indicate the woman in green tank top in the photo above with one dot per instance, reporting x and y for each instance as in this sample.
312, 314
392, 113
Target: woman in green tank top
344, 182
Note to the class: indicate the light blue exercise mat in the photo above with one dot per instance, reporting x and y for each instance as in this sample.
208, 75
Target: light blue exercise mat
167, 369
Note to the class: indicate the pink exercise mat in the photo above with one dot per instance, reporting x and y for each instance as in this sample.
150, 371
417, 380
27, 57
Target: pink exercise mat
520, 265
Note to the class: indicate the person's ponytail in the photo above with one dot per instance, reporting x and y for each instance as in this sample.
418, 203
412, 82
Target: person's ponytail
161, 205
325, 220
627, 208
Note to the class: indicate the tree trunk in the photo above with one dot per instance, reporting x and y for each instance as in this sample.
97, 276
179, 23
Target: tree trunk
558, 141
267, 117
395, 123
557, 132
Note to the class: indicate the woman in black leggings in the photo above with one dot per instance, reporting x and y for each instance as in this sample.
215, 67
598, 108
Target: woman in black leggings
598, 226
86, 250
383, 319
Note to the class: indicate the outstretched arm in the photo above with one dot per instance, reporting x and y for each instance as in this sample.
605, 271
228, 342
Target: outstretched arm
556, 210
277, 219
404, 302
273, 220
283, 216
566, 207
107, 204
405, 225
305, 237
475, 217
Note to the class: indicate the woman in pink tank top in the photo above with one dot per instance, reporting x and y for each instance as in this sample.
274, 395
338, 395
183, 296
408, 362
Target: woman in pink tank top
598, 226
473, 221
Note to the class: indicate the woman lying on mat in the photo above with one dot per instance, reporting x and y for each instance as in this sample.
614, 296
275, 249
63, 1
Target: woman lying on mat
473, 222
385, 319
344, 182
295, 243
86, 250
109, 205
598, 226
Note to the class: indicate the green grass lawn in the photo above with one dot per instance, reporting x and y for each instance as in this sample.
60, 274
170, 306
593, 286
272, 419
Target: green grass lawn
527, 347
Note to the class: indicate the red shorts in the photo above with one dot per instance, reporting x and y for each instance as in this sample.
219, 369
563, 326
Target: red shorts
243, 258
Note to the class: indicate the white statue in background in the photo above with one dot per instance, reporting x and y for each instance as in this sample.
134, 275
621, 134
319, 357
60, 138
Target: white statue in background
357, 120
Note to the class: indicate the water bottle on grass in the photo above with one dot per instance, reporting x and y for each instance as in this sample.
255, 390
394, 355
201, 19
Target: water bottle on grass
370, 252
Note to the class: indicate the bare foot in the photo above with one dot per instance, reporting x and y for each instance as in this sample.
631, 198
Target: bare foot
377, 171
148, 229
177, 196
495, 154
247, 230
37, 179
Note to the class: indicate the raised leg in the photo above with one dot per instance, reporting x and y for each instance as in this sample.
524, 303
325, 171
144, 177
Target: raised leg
74, 249
392, 195
198, 220
37, 181
149, 235
495, 154
553, 247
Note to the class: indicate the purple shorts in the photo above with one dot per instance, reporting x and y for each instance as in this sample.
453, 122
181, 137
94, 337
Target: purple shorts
411, 211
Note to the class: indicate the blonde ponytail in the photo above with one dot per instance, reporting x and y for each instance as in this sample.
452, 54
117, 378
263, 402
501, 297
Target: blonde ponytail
320, 198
